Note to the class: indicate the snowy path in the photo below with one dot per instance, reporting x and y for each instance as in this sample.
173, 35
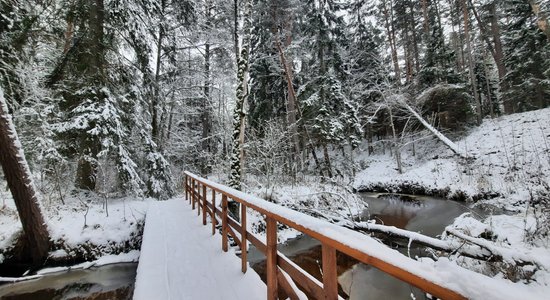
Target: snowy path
180, 259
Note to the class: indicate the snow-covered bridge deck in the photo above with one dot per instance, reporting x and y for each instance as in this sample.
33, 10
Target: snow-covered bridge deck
180, 259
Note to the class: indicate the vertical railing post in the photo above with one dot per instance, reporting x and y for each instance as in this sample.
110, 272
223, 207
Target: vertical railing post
224, 223
188, 183
213, 211
271, 258
185, 187
330, 277
193, 193
243, 238
198, 198
204, 205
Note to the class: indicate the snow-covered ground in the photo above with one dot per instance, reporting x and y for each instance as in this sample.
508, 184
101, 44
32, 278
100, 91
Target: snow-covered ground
512, 161
83, 227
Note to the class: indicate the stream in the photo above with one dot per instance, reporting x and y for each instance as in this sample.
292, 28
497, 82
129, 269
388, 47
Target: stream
114, 281
422, 214
356, 281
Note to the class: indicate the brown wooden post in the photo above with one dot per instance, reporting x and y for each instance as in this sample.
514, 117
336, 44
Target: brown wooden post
185, 187
198, 198
243, 238
213, 211
224, 223
330, 278
193, 193
204, 205
271, 258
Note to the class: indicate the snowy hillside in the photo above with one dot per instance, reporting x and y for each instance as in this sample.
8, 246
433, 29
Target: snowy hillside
512, 161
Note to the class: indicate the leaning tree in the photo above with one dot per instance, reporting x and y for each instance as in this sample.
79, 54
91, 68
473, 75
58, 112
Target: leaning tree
36, 240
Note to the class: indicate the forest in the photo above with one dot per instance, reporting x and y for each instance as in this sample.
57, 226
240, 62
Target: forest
309, 104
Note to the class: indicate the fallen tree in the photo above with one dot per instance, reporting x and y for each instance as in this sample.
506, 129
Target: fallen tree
467, 246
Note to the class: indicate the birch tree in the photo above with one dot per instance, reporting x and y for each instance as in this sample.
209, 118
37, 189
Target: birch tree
239, 113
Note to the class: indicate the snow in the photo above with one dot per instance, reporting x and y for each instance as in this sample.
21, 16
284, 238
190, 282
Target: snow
180, 259
131, 256
444, 273
81, 227
512, 157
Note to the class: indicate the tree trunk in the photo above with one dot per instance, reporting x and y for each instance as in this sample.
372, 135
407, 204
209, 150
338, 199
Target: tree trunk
18, 177
388, 22
155, 100
425, 23
291, 102
206, 107
239, 114
395, 143
466, 16
236, 29
542, 18
86, 174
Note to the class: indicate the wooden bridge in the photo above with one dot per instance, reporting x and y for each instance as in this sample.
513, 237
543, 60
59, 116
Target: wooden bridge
195, 254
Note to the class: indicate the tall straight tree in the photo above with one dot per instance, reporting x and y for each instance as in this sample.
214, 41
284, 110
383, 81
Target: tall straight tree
239, 113
36, 238
471, 62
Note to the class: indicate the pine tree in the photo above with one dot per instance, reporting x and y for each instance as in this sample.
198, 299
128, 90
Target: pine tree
438, 66
527, 57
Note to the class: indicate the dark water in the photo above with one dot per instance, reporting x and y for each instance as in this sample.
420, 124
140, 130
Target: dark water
114, 281
427, 215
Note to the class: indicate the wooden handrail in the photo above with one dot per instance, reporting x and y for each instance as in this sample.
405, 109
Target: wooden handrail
329, 235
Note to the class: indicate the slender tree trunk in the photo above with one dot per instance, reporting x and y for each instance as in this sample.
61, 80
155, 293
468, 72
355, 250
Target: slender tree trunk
414, 39
542, 18
326, 156
69, 33
18, 177
206, 107
390, 32
239, 114
395, 143
155, 100
426, 24
236, 29
291, 102
471, 60
494, 46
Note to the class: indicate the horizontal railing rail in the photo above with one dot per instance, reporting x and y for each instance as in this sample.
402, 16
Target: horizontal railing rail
282, 274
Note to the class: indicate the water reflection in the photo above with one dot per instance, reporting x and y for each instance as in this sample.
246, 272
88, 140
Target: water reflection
107, 282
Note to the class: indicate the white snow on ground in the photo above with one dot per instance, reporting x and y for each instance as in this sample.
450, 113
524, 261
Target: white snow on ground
180, 259
84, 226
512, 154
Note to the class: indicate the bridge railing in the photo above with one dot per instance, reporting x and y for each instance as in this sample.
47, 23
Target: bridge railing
202, 195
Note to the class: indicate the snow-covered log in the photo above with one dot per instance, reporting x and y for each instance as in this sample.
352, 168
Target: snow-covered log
510, 255
471, 247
